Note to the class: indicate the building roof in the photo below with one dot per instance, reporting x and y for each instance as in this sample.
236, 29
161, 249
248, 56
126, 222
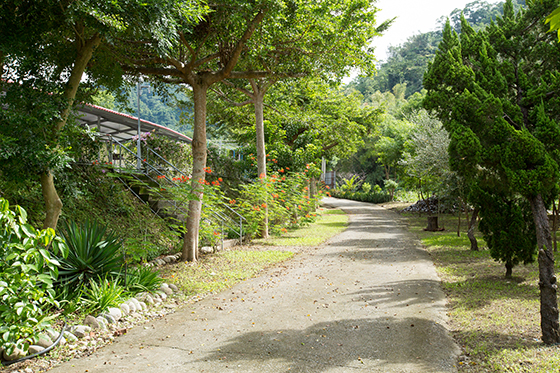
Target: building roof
120, 126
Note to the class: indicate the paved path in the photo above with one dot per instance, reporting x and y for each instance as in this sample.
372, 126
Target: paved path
368, 301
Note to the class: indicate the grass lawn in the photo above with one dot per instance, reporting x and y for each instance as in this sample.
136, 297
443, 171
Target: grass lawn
495, 320
216, 272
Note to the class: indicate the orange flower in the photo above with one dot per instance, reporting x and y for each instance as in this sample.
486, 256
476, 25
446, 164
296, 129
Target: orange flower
281, 170
216, 233
220, 179
232, 202
261, 176
263, 205
208, 170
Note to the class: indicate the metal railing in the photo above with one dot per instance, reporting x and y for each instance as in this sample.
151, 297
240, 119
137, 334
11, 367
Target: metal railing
154, 177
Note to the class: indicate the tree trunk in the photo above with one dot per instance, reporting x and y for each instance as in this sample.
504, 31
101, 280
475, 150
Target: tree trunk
470, 231
261, 149
555, 223
432, 224
190, 241
313, 192
547, 279
85, 49
509, 269
53, 204
459, 224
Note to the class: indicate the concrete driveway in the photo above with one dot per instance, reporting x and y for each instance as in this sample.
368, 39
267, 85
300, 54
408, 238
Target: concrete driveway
369, 300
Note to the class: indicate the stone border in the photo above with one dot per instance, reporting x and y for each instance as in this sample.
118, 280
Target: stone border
203, 250
95, 332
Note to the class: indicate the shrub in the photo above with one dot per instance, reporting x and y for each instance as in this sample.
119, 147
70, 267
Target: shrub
142, 279
366, 187
372, 197
101, 293
93, 252
27, 273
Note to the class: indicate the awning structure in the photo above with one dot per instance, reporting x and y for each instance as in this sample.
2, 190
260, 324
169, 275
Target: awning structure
122, 127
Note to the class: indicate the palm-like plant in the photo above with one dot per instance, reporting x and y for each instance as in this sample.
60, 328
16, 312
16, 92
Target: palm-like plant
93, 252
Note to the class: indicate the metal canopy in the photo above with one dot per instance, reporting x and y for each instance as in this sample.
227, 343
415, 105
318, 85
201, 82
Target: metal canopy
122, 127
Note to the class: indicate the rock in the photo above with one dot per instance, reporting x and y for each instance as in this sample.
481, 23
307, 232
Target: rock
110, 319
52, 334
173, 287
34, 349
125, 308
160, 262
80, 331
206, 250
168, 259
102, 322
162, 295
131, 306
165, 288
115, 312
144, 306
44, 341
16, 354
149, 300
70, 337
91, 321
136, 303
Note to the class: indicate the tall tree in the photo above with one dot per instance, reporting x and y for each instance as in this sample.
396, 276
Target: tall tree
45, 49
334, 40
203, 55
496, 91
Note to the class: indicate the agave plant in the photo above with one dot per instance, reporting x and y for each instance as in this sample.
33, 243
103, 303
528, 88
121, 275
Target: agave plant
93, 252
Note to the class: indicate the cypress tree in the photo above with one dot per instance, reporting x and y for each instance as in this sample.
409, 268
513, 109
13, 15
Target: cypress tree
498, 94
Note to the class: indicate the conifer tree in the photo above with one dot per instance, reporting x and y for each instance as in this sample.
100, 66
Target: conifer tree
497, 93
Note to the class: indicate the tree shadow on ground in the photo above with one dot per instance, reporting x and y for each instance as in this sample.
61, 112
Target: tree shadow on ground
374, 345
401, 293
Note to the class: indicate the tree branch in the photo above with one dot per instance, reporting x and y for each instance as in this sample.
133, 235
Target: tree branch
228, 68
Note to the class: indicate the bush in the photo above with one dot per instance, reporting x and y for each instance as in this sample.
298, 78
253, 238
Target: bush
142, 279
27, 273
93, 252
100, 294
372, 197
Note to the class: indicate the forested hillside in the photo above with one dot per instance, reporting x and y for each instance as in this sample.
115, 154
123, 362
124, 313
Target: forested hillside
406, 63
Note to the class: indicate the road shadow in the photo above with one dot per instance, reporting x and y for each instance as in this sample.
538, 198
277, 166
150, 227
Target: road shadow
404, 294
376, 345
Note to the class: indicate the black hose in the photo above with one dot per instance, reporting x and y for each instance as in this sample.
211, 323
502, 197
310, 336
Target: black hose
42, 352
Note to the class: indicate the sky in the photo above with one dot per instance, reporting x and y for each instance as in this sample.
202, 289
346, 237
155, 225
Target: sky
413, 17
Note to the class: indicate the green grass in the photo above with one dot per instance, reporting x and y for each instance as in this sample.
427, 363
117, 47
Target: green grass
220, 271
328, 224
495, 320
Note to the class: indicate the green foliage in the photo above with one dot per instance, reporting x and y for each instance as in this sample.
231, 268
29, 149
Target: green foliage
93, 252
371, 197
141, 278
28, 270
366, 187
507, 227
101, 293
349, 185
